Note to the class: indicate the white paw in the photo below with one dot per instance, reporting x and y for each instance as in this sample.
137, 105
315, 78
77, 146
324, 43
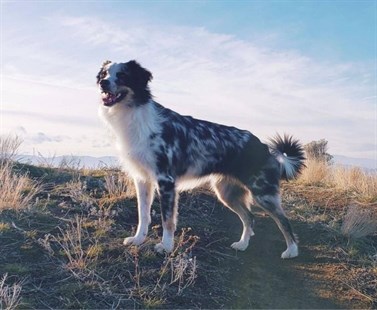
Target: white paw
161, 248
133, 241
240, 245
290, 252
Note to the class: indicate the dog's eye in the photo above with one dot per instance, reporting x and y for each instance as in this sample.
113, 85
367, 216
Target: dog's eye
121, 75
103, 74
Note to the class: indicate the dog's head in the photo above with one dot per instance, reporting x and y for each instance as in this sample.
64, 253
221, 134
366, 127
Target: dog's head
123, 83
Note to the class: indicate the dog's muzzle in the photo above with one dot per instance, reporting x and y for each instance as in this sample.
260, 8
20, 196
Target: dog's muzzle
108, 97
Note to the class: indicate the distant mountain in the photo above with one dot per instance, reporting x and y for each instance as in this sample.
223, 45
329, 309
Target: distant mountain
112, 161
71, 161
357, 162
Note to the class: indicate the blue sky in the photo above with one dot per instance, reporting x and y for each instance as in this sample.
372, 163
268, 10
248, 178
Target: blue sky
303, 67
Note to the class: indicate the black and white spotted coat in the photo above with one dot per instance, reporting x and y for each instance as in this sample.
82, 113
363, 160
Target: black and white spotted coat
164, 150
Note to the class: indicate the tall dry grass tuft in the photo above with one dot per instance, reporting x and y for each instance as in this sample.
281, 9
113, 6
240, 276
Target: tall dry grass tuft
178, 271
10, 295
80, 250
353, 180
356, 180
316, 173
77, 191
9, 146
16, 191
119, 186
359, 221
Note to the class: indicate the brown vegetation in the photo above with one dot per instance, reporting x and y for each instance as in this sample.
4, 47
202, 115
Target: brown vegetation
16, 190
354, 181
61, 244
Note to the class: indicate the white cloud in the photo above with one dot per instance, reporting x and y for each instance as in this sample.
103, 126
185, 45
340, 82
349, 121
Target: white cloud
41, 137
204, 74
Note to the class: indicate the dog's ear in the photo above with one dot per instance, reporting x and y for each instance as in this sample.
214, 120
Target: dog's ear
142, 75
99, 75
106, 62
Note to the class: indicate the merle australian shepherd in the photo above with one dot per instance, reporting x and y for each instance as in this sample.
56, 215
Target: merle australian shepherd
161, 149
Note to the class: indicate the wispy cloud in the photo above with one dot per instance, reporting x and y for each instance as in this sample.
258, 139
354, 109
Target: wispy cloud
52, 118
211, 75
226, 79
41, 137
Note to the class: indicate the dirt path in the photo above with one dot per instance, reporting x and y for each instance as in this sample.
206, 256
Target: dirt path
262, 279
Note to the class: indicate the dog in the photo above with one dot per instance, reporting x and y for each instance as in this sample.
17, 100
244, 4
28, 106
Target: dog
168, 152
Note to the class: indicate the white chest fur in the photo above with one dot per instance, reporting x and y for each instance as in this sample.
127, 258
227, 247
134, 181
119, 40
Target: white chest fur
133, 127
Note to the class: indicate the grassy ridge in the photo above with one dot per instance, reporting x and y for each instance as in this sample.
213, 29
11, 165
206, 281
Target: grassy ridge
65, 248
61, 233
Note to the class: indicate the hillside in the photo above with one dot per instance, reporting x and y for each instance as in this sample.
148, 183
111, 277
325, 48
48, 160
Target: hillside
112, 161
65, 250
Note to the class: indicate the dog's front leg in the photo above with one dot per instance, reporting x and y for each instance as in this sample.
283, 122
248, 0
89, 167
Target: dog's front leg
145, 194
169, 205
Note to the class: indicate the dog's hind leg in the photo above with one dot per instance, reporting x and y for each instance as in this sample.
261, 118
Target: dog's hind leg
145, 195
272, 205
238, 199
265, 190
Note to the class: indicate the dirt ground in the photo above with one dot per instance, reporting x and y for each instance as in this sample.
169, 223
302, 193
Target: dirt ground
329, 273
261, 279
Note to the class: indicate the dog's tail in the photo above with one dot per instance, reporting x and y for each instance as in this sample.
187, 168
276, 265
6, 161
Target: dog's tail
290, 154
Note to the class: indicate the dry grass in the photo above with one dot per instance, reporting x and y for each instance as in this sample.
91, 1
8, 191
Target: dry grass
16, 191
119, 186
316, 173
177, 272
353, 180
81, 251
354, 183
86, 265
356, 180
9, 146
10, 295
77, 191
359, 221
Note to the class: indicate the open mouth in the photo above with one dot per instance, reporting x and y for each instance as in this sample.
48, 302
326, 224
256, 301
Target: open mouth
110, 99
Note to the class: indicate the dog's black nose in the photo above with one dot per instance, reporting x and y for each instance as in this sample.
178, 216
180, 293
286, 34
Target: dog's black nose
104, 84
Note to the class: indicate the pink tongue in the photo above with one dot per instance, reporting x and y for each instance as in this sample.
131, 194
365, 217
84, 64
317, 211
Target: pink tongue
109, 98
